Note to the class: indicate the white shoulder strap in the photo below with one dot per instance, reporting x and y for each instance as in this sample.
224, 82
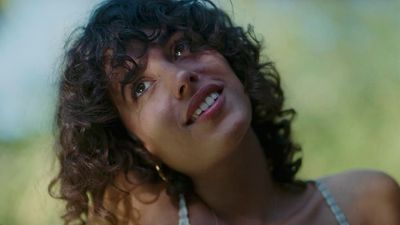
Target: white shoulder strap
183, 211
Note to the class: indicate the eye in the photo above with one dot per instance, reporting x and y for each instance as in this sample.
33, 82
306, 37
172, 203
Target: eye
181, 48
140, 88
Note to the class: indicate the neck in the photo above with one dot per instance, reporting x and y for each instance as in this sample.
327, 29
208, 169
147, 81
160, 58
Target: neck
240, 186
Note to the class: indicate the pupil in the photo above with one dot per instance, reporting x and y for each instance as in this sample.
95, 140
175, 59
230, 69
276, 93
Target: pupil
140, 88
179, 51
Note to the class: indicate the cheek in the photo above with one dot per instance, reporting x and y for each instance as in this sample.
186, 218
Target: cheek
162, 136
155, 127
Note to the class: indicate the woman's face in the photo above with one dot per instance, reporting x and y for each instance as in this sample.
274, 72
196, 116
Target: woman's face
188, 108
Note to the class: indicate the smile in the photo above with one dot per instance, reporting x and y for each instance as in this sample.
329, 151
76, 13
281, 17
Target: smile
206, 104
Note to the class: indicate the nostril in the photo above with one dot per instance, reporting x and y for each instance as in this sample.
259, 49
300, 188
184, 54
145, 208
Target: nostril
183, 83
181, 89
193, 78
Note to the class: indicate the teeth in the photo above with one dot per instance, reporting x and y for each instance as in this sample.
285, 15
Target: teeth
204, 106
197, 112
209, 101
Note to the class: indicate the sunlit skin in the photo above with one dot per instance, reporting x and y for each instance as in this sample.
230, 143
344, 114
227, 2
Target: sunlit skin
216, 152
221, 153
157, 115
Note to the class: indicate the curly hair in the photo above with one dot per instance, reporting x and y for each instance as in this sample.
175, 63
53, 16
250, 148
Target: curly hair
93, 146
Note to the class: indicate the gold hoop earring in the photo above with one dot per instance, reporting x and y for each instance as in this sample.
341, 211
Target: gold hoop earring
160, 173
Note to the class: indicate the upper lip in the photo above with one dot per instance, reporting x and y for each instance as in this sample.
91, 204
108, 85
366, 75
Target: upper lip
199, 97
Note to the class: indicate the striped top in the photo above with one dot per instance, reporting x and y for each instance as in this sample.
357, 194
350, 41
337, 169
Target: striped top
330, 201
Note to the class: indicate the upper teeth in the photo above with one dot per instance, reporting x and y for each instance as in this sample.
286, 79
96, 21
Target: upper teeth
208, 101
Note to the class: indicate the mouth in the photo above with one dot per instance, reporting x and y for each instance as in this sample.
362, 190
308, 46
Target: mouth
203, 101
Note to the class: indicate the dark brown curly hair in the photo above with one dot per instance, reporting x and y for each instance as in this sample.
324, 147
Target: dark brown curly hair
93, 146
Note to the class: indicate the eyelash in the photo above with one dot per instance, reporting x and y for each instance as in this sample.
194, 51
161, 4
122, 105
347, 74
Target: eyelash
136, 86
181, 48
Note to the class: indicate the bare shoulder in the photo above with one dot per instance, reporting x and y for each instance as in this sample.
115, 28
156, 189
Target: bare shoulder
366, 196
135, 203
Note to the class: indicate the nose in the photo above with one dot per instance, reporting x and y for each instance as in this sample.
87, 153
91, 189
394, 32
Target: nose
178, 78
182, 84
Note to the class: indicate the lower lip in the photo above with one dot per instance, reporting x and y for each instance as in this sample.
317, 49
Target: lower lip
213, 110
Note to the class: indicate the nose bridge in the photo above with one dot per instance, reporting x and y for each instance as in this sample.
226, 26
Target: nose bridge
177, 78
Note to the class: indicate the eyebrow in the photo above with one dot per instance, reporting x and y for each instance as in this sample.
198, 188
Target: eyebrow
165, 36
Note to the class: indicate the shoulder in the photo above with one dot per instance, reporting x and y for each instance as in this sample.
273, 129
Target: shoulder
134, 202
366, 196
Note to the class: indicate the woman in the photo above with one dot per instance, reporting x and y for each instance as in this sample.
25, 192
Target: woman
166, 115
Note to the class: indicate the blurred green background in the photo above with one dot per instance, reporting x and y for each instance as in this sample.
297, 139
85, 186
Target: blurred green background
339, 61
